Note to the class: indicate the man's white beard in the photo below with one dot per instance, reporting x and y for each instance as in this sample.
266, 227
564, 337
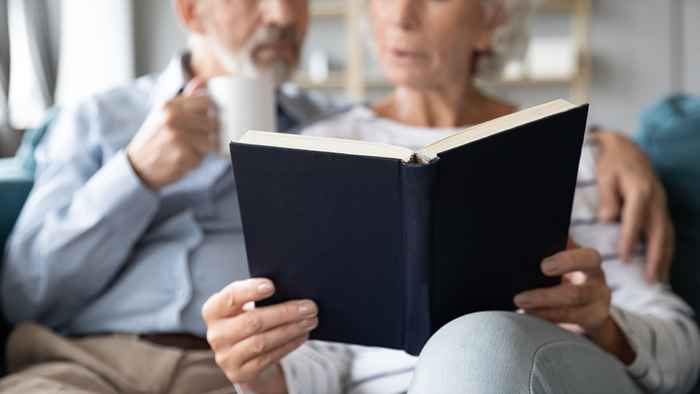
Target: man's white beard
242, 62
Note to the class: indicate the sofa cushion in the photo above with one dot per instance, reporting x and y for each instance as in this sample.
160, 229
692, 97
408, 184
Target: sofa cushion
670, 135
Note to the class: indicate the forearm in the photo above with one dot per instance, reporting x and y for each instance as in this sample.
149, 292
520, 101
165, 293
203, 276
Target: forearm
666, 350
611, 339
71, 240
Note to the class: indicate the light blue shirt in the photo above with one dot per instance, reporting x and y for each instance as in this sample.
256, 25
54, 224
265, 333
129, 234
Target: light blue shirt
94, 251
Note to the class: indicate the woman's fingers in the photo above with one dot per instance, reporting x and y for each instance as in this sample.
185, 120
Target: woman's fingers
229, 302
259, 364
564, 295
268, 341
246, 359
253, 368
227, 332
583, 259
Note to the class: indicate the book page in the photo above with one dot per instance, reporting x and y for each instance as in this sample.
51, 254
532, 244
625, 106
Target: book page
324, 144
493, 127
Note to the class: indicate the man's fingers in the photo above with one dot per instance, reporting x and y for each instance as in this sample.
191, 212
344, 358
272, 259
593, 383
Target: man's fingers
225, 332
634, 214
564, 295
230, 301
196, 87
655, 251
584, 259
609, 208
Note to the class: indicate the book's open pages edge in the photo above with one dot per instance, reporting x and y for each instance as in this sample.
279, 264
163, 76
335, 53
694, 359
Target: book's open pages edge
324, 144
425, 155
493, 127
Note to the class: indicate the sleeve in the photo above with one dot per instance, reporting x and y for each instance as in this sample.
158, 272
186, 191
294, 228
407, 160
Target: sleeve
78, 225
318, 368
659, 326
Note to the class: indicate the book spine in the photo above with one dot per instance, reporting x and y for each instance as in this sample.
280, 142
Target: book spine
417, 185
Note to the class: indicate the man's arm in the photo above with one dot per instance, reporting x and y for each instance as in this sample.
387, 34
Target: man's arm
630, 191
84, 216
77, 227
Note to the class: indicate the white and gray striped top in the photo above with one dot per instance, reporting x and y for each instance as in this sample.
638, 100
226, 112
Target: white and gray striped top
658, 324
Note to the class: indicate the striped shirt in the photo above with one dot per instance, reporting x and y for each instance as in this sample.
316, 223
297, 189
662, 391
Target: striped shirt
658, 324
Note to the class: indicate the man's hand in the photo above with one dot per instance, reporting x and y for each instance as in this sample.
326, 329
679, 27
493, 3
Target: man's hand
174, 139
630, 191
249, 342
582, 299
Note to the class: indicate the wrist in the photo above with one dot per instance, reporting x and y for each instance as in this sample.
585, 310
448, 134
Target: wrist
141, 174
270, 381
610, 338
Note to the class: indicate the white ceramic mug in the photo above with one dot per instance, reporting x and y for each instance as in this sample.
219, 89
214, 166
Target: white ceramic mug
243, 104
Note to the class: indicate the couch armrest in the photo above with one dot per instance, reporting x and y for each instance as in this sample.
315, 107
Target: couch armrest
15, 185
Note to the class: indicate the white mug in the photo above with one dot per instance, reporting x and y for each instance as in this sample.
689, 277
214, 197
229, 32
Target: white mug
243, 104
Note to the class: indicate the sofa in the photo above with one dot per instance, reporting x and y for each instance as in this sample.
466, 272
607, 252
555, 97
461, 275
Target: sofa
669, 134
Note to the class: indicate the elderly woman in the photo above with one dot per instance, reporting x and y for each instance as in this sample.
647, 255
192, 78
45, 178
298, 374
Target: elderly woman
604, 329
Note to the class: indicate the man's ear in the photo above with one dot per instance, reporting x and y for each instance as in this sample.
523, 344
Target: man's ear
495, 16
190, 14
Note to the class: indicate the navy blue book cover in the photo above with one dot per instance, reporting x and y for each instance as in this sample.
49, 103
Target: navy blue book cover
392, 251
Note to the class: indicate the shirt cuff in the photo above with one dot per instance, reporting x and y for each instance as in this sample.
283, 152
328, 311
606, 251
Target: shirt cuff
634, 330
117, 194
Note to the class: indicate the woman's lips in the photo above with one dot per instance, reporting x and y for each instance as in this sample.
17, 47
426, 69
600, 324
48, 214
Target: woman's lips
406, 56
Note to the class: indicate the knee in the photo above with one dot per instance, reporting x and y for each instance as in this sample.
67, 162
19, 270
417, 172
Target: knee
483, 352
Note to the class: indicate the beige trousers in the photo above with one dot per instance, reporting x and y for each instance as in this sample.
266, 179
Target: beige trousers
41, 361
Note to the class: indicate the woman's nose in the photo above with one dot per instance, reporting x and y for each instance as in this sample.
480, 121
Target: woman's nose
279, 12
404, 13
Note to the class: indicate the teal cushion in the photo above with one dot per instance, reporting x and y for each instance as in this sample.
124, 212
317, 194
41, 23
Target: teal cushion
670, 135
15, 184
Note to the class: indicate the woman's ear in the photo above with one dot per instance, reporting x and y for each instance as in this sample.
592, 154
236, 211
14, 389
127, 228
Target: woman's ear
494, 16
190, 14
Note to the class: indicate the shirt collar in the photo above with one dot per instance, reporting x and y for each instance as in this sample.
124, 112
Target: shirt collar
173, 79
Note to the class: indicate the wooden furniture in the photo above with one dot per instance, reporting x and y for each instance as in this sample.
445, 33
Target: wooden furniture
355, 80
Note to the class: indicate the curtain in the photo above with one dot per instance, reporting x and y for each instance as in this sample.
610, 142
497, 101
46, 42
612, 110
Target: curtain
97, 47
5, 129
43, 45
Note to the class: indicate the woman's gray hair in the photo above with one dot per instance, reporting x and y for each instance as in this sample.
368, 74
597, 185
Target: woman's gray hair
510, 41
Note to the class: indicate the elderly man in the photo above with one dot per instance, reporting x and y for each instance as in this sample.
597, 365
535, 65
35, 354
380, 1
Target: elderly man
133, 222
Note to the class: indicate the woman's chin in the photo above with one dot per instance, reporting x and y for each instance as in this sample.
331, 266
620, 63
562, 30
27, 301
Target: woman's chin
410, 80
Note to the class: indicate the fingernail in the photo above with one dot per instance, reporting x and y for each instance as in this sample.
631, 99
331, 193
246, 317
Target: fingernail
549, 266
309, 324
265, 288
307, 309
521, 301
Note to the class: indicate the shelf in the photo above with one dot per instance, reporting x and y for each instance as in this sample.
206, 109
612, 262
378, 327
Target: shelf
336, 9
328, 9
557, 6
338, 80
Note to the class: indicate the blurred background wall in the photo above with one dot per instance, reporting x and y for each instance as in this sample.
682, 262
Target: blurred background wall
640, 50
620, 55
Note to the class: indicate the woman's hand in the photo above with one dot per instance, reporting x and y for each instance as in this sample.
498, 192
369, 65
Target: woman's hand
582, 299
630, 191
249, 342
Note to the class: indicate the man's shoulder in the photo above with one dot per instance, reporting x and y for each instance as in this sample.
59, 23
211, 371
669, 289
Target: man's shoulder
110, 117
116, 102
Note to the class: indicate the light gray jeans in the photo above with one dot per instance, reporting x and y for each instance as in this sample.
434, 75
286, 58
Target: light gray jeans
504, 353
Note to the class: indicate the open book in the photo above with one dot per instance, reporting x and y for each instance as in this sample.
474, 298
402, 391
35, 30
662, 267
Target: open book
393, 244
